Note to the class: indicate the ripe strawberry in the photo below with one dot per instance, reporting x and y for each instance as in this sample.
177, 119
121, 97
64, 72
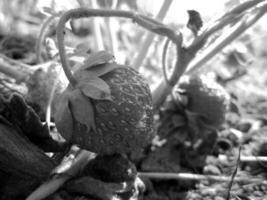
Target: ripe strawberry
110, 109
205, 97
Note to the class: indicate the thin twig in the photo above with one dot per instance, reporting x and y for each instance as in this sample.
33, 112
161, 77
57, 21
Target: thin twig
197, 177
164, 53
233, 175
50, 100
246, 159
242, 7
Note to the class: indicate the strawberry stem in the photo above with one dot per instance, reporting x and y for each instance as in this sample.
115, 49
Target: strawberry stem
48, 21
143, 21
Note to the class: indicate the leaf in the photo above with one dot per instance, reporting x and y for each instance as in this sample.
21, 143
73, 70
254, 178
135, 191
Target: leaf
82, 109
92, 86
96, 89
96, 71
97, 58
63, 116
101, 70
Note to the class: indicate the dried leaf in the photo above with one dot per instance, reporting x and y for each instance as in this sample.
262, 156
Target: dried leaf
96, 88
195, 22
98, 58
63, 116
82, 109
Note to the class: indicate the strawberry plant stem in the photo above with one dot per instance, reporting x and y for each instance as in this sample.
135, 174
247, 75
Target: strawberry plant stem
143, 21
42, 35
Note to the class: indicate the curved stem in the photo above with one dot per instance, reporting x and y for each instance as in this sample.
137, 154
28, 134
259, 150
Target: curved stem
157, 28
164, 89
42, 35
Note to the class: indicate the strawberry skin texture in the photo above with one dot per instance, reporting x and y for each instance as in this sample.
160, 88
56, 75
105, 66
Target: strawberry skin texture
124, 123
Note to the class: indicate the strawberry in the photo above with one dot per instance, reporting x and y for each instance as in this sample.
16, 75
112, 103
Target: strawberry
205, 97
109, 110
